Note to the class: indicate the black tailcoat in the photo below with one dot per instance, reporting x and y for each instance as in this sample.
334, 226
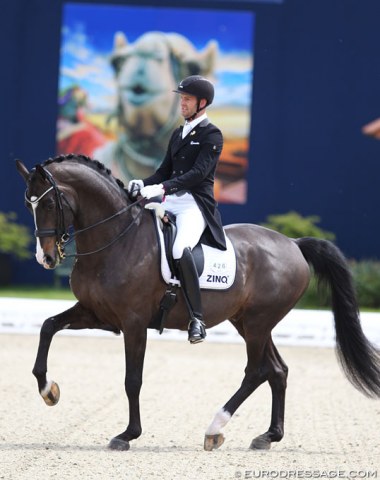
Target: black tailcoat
189, 166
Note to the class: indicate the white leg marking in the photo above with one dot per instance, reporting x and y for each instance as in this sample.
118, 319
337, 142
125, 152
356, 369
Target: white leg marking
46, 389
220, 420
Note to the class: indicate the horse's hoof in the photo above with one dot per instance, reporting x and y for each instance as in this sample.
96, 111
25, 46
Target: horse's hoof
213, 442
51, 394
262, 442
118, 444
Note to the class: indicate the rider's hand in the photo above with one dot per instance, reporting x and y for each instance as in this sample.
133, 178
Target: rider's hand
134, 187
151, 191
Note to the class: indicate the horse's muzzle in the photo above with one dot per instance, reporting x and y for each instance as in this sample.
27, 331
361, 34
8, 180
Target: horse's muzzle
50, 262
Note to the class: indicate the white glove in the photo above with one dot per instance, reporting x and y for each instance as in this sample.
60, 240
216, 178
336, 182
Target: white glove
134, 187
151, 191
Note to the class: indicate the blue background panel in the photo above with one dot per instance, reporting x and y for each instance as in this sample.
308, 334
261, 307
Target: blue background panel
317, 73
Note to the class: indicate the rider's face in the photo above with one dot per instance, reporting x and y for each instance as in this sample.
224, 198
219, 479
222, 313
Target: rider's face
188, 105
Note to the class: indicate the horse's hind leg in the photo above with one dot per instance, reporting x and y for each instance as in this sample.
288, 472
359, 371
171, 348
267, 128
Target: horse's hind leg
75, 318
254, 376
264, 363
277, 378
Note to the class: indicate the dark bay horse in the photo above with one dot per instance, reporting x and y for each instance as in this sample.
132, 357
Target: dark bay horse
116, 279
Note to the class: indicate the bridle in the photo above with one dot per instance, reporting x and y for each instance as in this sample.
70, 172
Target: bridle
64, 237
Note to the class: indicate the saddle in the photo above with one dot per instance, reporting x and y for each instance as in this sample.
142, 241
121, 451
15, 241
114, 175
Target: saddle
169, 230
216, 268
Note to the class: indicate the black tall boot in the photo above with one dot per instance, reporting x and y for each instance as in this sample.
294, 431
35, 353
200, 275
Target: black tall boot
188, 276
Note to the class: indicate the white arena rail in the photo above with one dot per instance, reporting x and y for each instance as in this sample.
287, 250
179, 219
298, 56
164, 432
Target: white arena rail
299, 327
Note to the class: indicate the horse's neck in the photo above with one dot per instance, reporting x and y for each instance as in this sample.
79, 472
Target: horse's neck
93, 209
96, 197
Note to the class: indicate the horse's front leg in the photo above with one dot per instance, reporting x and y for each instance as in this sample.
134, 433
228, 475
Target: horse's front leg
74, 318
135, 345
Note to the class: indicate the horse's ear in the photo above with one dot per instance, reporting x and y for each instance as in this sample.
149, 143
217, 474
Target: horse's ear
22, 170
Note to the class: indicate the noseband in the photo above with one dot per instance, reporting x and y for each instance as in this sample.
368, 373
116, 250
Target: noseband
61, 231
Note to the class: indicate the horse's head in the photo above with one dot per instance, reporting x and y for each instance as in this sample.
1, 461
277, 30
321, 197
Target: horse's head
51, 211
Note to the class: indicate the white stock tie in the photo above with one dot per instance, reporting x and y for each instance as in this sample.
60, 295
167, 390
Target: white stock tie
186, 129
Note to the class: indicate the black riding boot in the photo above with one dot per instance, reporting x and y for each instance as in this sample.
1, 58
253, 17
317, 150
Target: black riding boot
188, 276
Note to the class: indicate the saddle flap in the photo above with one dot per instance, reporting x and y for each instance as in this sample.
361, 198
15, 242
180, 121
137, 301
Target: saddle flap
216, 268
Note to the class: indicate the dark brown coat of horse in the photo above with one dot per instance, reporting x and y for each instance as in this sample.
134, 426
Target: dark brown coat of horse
117, 282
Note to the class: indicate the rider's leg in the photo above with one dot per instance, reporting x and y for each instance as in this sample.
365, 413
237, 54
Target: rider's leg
190, 226
190, 283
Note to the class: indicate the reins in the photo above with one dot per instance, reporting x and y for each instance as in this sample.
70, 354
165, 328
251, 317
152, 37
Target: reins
121, 234
61, 231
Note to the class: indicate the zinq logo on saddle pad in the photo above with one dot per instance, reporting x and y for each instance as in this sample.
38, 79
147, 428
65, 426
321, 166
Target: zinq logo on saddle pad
218, 268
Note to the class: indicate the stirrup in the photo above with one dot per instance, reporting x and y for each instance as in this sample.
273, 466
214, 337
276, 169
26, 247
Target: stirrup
197, 331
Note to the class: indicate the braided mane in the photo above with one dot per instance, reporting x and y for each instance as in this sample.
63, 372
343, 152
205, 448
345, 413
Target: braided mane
94, 164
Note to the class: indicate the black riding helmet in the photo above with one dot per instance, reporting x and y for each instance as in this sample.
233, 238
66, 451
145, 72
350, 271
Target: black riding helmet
198, 86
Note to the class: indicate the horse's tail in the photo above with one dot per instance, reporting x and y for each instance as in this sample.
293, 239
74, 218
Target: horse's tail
359, 358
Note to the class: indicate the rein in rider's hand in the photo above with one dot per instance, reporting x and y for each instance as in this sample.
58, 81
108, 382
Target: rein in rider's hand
152, 191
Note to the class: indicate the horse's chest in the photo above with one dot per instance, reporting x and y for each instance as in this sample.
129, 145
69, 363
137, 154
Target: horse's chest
90, 289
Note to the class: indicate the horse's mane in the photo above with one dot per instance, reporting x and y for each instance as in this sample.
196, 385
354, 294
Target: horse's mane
83, 159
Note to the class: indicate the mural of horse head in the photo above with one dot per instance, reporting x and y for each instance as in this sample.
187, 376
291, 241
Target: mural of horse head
146, 73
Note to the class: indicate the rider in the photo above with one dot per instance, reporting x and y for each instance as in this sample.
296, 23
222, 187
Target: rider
186, 181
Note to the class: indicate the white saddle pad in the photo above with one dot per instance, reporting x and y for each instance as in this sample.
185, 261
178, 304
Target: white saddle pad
219, 265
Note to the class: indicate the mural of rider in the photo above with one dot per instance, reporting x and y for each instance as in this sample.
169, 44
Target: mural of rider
185, 180
74, 132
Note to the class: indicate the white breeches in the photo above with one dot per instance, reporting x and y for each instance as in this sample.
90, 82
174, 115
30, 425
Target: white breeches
190, 222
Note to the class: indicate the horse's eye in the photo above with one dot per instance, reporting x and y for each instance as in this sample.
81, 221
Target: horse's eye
49, 205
